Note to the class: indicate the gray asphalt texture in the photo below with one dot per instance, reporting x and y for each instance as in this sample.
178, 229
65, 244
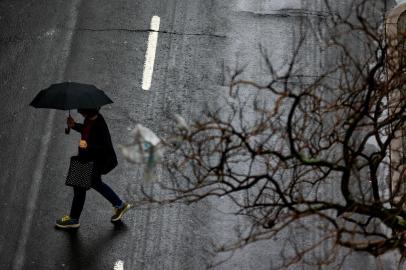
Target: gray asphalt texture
103, 43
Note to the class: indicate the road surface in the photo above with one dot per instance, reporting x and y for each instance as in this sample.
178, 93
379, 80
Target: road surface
104, 43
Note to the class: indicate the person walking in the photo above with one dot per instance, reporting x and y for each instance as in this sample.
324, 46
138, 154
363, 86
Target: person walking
95, 145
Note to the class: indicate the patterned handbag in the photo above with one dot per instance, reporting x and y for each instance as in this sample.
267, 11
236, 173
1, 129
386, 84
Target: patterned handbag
81, 172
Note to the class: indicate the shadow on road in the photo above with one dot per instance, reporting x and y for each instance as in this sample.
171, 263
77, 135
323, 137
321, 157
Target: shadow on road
82, 252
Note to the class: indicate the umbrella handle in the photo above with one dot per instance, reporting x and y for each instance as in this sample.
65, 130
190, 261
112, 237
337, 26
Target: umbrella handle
67, 130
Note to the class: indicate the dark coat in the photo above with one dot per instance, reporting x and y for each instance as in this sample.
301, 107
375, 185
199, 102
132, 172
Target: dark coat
99, 145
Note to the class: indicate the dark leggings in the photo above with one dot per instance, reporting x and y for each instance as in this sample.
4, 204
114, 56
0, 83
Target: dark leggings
79, 197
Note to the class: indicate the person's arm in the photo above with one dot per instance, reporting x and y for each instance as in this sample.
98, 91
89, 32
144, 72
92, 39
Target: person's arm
96, 148
78, 127
102, 143
73, 125
93, 150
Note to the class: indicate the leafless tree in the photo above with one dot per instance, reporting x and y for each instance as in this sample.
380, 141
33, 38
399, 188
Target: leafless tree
312, 154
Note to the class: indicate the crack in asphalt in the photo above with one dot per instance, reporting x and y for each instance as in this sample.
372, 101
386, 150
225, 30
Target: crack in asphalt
290, 13
149, 30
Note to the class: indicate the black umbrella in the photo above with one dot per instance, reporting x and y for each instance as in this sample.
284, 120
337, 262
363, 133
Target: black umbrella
70, 95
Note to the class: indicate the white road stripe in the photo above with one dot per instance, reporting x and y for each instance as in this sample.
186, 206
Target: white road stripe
35, 184
19, 256
119, 265
150, 54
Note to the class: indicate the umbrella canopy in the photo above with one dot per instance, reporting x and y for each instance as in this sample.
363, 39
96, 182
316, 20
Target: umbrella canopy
70, 95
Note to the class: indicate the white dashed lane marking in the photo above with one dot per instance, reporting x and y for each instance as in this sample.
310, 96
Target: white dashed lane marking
150, 54
119, 265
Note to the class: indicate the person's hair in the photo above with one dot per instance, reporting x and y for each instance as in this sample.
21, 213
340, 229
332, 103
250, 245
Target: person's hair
89, 112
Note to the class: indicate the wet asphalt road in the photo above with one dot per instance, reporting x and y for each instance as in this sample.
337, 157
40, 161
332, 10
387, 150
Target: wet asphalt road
104, 42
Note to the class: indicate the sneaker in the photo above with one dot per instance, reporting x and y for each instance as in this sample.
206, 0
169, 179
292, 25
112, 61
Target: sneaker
67, 222
120, 212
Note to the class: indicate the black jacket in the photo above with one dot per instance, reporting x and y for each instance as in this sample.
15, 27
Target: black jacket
99, 145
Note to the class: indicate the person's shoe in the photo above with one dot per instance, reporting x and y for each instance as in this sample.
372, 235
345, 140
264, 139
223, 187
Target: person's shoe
119, 212
67, 222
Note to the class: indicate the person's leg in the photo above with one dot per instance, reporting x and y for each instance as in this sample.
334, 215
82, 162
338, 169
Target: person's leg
78, 201
120, 207
107, 192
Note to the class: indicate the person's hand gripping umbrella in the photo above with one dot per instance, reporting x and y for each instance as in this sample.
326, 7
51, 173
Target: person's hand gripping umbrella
68, 96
